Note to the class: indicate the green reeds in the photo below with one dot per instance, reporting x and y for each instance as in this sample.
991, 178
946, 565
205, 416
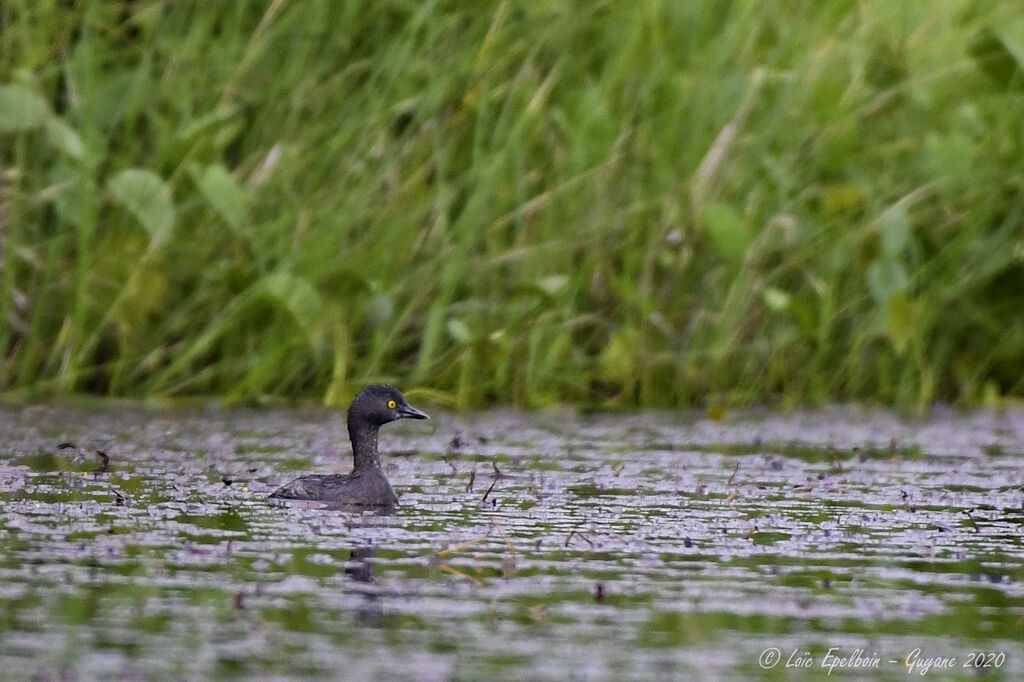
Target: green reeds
613, 204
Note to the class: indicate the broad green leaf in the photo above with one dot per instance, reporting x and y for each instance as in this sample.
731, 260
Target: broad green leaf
223, 192
895, 231
806, 315
727, 231
380, 309
75, 192
618, 359
1000, 55
901, 321
148, 197
949, 157
552, 284
841, 197
21, 109
297, 296
887, 65
886, 277
776, 299
65, 138
459, 331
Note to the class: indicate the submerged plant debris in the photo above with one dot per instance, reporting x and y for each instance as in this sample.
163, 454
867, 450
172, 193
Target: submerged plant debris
527, 545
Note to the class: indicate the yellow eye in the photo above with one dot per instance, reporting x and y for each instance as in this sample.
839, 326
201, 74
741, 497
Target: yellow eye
392, 404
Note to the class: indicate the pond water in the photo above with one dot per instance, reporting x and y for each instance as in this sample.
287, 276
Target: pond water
527, 546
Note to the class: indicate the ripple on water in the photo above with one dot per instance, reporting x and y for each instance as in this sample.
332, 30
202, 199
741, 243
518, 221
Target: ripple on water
539, 545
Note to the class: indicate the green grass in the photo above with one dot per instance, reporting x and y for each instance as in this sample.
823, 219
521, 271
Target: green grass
608, 203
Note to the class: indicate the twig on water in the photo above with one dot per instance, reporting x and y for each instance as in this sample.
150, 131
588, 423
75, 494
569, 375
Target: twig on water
464, 545
571, 533
579, 535
835, 458
476, 581
511, 549
489, 489
729, 482
497, 475
971, 519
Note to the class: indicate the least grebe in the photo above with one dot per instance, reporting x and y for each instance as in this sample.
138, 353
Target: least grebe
366, 485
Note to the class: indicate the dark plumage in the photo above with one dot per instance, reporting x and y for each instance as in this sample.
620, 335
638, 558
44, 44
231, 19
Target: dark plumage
366, 485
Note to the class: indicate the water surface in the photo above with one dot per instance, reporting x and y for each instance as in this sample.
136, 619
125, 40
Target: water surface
527, 546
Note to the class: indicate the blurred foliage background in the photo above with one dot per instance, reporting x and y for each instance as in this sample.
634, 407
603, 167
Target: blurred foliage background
654, 203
